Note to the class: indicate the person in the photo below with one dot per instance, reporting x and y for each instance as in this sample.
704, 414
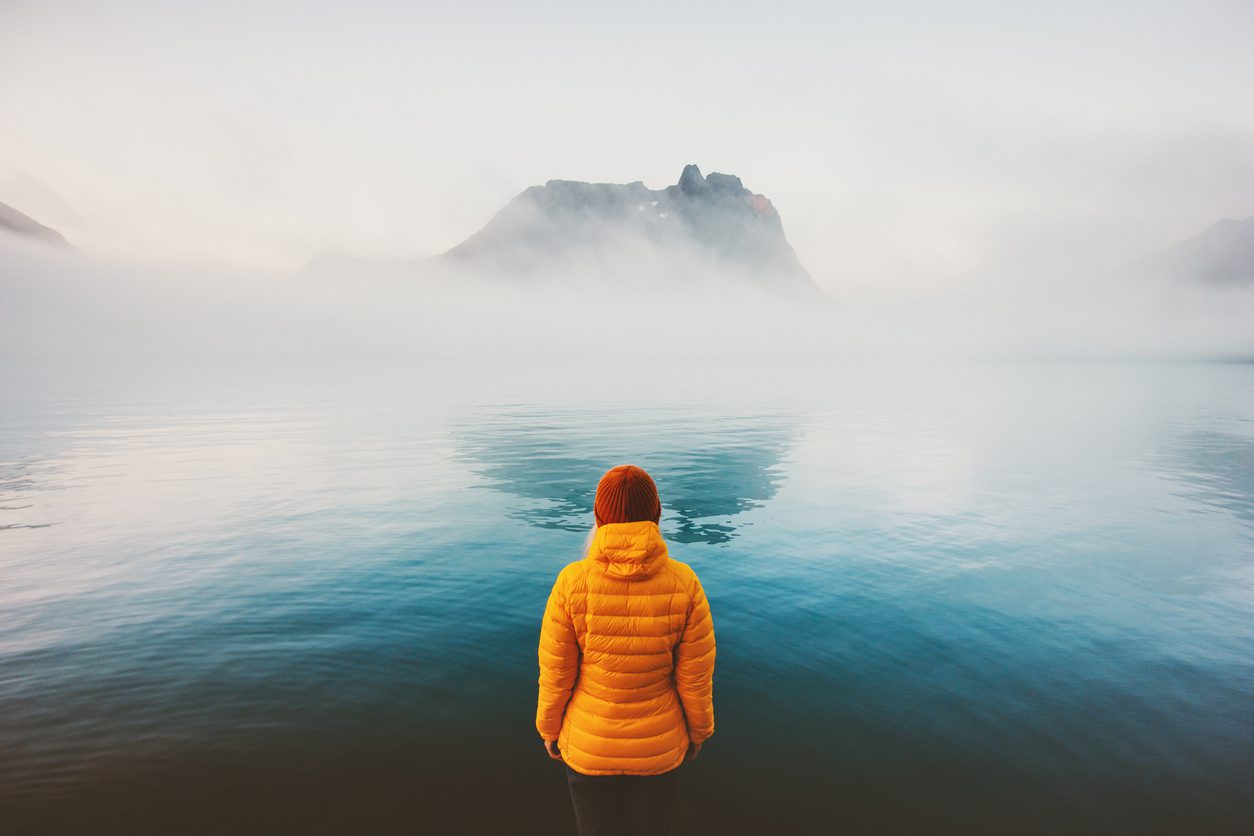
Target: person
626, 666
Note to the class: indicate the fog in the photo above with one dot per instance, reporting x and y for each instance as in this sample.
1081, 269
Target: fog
970, 180
909, 147
68, 307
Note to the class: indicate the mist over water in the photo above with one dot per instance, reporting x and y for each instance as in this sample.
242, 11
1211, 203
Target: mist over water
305, 598
74, 308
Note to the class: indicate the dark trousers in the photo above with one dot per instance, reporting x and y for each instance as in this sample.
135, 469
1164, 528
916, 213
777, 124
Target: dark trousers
624, 805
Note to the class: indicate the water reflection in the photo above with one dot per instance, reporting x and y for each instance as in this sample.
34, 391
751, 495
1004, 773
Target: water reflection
708, 470
17, 483
290, 614
1218, 469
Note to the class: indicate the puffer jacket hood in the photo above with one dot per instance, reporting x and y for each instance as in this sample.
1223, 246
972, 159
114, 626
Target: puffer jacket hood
630, 551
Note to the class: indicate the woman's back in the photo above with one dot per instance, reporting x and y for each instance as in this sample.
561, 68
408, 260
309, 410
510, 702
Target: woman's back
626, 657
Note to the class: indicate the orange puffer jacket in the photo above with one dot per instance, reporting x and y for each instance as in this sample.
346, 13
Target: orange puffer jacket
626, 657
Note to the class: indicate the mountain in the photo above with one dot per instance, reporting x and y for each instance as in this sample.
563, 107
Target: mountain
702, 225
14, 222
1221, 255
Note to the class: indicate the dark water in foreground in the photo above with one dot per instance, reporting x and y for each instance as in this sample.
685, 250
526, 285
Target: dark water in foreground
1014, 599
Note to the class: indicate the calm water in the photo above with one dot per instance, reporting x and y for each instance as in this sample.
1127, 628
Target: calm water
971, 599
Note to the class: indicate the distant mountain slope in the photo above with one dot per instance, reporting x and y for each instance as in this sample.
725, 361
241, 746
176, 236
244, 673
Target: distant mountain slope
699, 225
1221, 255
15, 222
714, 214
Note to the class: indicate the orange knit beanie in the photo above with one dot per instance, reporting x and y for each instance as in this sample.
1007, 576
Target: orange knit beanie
626, 494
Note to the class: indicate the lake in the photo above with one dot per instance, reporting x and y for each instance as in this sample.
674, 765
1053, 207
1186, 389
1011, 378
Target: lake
978, 598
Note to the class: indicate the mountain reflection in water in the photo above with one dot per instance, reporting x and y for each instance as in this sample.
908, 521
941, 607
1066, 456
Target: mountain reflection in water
707, 472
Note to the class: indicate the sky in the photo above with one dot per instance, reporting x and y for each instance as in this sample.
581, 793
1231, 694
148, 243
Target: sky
909, 147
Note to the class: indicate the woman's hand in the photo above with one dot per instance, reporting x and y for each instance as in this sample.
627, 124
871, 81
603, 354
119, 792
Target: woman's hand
550, 746
694, 749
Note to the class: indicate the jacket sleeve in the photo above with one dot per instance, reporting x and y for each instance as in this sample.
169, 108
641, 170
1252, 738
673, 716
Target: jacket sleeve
694, 667
559, 661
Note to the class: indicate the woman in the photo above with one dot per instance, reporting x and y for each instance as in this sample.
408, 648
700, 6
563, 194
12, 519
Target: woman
626, 666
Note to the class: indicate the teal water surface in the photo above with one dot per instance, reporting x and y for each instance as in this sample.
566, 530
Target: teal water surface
994, 599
